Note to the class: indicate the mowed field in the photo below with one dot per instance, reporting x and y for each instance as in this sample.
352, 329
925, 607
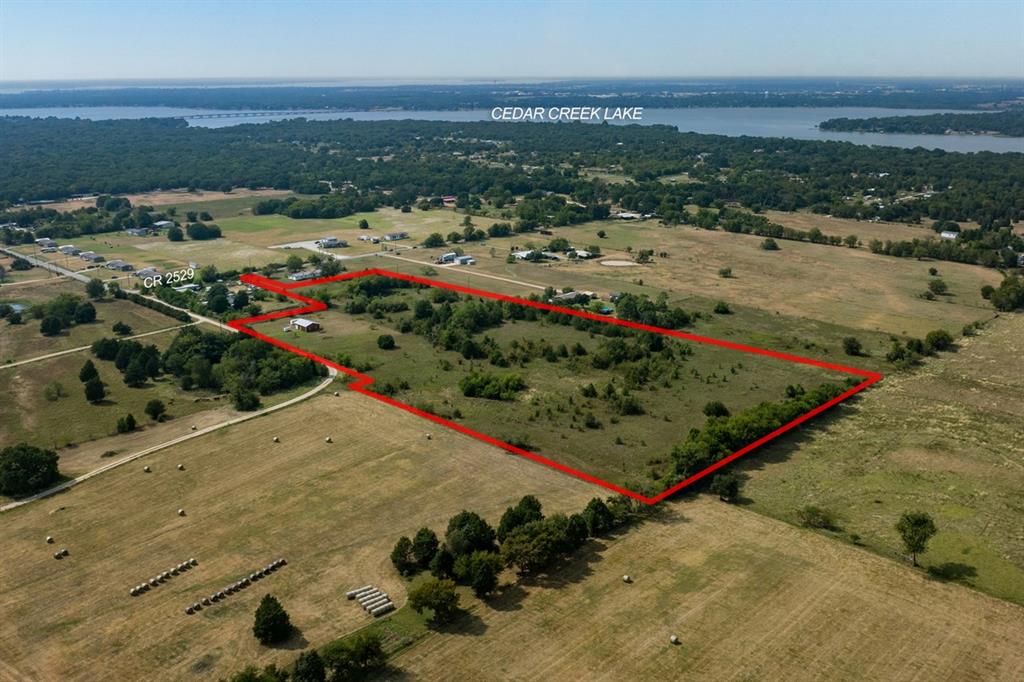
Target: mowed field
749, 599
196, 200
947, 439
332, 510
851, 287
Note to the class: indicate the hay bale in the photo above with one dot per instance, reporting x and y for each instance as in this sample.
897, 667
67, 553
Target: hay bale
58, 555
64, 551
49, 539
188, 610
328, 440
673, 639
429, 436
336, 394
181, 512
181, 467
146, 469
626, 579
281, 562
276, 439
152, 582
193, 427
193, 562
206, 601
382, 609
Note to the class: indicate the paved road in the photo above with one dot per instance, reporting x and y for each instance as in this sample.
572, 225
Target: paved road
81, 348
332, 373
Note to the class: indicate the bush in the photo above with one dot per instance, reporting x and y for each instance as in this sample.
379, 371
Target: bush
851, 346
816, 517
54, 391
722, 308
155, 409
491, 386
725, 273
126, 424
385, 342
26, 469
726, 486
94, 390
938, 340
271, 623
716, 408
121, 329
85, 313
770, 244
50, 326
402, 557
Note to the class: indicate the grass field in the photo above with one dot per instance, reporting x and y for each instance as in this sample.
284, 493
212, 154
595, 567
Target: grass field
332, 510
837, 285
759, 601
551, 415
24, 341
199, 200
28, 416
946, 440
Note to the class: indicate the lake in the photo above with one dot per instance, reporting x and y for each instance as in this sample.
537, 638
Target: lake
798, 123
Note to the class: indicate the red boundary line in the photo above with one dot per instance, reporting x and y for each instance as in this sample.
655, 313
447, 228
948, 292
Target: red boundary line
363, 380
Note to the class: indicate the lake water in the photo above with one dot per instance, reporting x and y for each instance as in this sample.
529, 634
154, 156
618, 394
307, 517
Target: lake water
798, 123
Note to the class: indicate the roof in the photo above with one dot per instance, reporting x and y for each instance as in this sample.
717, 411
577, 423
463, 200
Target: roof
303, 322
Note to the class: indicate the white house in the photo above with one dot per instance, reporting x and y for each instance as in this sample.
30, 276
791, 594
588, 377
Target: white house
949, 234
465, 260
447, 257
302, 324
161, 224
302, 276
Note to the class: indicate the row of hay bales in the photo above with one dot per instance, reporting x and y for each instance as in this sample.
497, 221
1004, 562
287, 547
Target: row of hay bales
376, 602
237, 586
162, 577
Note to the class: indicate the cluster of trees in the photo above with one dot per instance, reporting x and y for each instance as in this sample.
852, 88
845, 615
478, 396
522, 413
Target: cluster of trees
136, 362
491, 386
337, 205
62, 312
640, 308
473, 553
246, 368
1009, 123
195, 232
26, 469
179, 315
1008, 296
994, 248
910, 353
723, 435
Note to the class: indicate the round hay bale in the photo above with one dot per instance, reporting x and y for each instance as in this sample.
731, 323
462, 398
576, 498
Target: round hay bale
197, 606
429, 436
282, 562
328, 440
181, 512
206, 601
626, 579
193, 427
64, 551
133, 592
276, 439
188, 610
673, 639
181, 467
49, 539
193, 562
152, 582
58, 555
336, 394
146, 469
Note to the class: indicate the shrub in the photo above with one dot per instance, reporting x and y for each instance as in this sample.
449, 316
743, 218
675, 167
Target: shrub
402, 557
716, 408
94, 390
938, 340
50, 326
126, 424
851, 346
722, 308
726, 486
437, 595
769, 244
725, 273
155, 409
121, 329
385, 342
816, 517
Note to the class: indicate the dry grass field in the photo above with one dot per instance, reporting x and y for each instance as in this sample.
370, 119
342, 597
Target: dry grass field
851, 287
946, 439
332, 510
749, 599
173, 197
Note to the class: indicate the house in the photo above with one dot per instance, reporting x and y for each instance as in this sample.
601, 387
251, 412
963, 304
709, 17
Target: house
395, 236
302, 324
465, 260
49, 249
330, 242
368, 238
187, 288
580, 253
447, 258
628, 215
145, 273
162, 224
69, 250
46, 243
91, 256
302, 276
449, 200
117, 264
137, 231
522, 255
573, 296
949, 234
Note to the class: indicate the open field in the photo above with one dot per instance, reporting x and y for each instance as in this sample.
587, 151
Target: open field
551, 414
28, 416
865, 230
946, 439
332, 510
174, 198
850, 287
24, 341
758, 601
12, 276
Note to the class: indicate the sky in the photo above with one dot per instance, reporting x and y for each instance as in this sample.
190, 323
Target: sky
408, 41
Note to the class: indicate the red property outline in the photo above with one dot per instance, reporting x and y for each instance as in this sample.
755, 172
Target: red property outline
363, 380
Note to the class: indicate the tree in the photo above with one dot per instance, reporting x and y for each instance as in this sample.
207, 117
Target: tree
402, 557
424, 547
88, 372
85, 313
121, 329
434, 240
54, 391
271, 623
156, 409
26, 469
135, 373
716, 408
483, 569
309, 667
770, 244
851, 241
601, 234
94, 289
468, 532
293, 262
50, 326
218, 303
437, 595
94, 390
598, 517
175, 234
851, 346
916, 529
938, 340
443, 563
126, 424
354, 657
526, 510
726, 486
385, 342
725, 273
722, 308
364, 224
